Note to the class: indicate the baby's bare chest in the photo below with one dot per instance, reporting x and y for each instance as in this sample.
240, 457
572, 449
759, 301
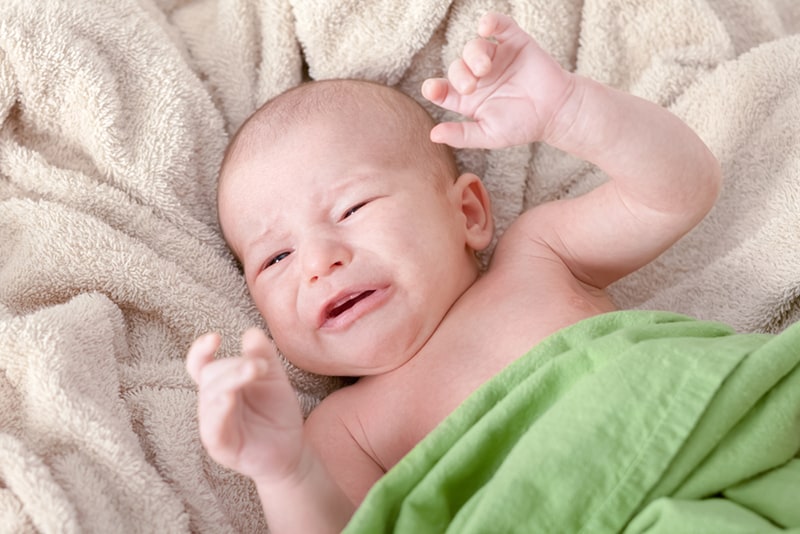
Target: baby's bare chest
477, 340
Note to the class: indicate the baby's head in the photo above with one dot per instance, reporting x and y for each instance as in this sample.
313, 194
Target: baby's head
356, 232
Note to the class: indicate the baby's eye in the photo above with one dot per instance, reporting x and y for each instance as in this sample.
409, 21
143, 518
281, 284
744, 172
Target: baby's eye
276, 259
352, 210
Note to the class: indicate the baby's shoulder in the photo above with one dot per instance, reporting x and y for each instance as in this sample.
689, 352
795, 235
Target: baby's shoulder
331, 422
343, 408
342, 444
524, 249
336, 403
525, 232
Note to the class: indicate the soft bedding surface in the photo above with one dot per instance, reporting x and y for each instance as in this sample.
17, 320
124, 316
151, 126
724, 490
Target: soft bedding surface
113, 119
630, 421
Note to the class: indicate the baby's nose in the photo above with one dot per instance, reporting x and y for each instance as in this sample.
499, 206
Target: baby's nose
323, 257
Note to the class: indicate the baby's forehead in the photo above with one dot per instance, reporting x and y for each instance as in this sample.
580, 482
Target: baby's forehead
357, 112
361, 103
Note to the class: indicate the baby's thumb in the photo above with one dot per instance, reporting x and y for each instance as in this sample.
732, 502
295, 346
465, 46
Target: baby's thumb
459, 134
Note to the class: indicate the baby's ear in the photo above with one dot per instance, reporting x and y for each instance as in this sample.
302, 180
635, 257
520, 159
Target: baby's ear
477, 210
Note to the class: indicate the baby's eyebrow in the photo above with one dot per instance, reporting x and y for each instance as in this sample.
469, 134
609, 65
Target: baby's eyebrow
267, 235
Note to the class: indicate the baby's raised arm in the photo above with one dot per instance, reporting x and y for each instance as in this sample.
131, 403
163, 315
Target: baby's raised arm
663, 177
250, 421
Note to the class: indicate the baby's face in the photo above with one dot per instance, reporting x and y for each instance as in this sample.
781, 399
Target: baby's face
353, 252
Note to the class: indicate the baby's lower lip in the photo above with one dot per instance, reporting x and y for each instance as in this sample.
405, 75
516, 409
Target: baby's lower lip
363, 304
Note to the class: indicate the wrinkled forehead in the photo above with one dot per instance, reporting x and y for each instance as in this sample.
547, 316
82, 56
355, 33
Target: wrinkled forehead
365, 106
324, 141
342, 119
311, 158
370, 125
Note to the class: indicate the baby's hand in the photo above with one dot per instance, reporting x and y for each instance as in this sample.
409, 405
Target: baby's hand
249, 417
510, 88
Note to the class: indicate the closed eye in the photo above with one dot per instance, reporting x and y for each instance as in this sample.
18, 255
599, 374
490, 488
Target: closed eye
352, 210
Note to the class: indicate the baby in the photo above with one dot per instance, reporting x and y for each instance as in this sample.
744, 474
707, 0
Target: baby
358, 235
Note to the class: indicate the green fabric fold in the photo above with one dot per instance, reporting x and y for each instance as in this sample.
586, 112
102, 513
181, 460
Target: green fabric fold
629, 421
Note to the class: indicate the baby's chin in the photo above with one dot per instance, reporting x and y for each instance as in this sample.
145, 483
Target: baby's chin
312, 363
373, 345
349, 366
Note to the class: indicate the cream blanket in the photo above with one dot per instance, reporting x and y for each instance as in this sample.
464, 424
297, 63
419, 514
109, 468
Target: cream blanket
114, 116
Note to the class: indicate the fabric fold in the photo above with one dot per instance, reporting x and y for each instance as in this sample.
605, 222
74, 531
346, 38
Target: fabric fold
620, 422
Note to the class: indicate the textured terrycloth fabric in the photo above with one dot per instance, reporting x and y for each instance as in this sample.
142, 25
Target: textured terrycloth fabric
113, 119
629, 421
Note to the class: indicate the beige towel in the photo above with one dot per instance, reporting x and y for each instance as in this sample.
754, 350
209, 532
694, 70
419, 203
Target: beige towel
113, 119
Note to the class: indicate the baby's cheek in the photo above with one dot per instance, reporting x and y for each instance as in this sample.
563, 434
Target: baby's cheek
274, 314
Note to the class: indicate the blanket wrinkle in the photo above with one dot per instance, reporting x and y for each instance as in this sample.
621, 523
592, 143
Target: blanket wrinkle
114, 117
642, 40
753, 23
375, 40
247, 52
75, 421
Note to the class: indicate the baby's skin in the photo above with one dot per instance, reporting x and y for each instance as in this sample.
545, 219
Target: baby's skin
367, 268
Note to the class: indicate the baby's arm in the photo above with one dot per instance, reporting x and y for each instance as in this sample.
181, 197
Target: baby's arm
250, 421
663, 177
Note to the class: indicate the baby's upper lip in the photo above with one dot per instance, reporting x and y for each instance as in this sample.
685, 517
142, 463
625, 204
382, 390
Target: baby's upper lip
341, 301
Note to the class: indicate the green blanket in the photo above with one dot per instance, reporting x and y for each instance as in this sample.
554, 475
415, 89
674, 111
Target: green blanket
626, 422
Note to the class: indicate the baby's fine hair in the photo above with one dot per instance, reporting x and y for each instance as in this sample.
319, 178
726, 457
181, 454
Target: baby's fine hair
393, 108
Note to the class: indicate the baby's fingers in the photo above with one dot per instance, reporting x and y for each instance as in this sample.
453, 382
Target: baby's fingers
220, 404
460, 135
440, 92
436, 90
222, 380
461, 77
255, 344
477, 57
474, 63
497, 25
200, 354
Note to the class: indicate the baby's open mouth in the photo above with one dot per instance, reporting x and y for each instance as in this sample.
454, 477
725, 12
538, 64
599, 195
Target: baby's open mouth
342, 306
